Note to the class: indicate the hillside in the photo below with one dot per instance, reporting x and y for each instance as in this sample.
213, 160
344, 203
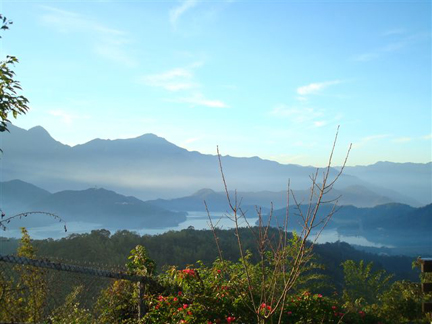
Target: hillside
104, 207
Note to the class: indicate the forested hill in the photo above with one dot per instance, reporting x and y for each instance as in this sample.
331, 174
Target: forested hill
185, 247
392, 216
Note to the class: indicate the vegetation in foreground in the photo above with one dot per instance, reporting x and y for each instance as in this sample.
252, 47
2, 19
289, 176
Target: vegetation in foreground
219, 293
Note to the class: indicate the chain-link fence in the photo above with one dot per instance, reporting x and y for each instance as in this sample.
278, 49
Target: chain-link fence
38, 290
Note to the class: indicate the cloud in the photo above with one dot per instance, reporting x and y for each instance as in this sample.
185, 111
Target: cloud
198, 99
365, 140
172, 80
315, 87
66, 117
395, 31
109, 43
391, 47
427, 137
180, 10
182, 80
320, 123
403, 139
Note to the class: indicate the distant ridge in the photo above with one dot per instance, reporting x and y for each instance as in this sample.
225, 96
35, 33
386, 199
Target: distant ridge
150, 167
94, 205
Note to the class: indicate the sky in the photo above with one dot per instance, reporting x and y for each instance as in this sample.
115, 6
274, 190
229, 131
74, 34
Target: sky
272, 79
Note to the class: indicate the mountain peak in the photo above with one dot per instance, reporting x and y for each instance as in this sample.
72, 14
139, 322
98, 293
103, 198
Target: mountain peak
39, 131
204, 192
150, 137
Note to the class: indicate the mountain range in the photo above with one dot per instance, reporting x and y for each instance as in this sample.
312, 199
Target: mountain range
355, 195
149, 167
95, 205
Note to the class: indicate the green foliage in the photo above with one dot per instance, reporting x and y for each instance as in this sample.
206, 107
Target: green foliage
10, 101
402, 303
118, 303
363, 284
24, 295
71, 312
140, 264
216, 293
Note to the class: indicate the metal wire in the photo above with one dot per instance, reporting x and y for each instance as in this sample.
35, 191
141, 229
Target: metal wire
47, 283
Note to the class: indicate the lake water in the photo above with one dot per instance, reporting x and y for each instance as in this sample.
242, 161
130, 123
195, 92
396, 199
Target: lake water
198, 220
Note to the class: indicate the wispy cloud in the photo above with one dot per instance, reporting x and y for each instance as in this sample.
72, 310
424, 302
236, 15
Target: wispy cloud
366, 140
198, 99
396, 46
65, 117
427, 137
172, 80
183, 80
192, 140
403, 139
108, 43
394, 31
320, 123
315, 87
180, 10
369, 56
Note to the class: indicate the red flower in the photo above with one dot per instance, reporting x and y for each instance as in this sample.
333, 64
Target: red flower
334, 307
230, 319
179, 293
190, 272
185, 306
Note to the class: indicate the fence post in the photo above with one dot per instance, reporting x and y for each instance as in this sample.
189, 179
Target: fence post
141, 304
426, 267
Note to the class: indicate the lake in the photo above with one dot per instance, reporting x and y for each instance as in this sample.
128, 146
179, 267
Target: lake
197, 220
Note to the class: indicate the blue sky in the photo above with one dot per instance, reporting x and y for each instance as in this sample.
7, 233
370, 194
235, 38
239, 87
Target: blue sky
268, 79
